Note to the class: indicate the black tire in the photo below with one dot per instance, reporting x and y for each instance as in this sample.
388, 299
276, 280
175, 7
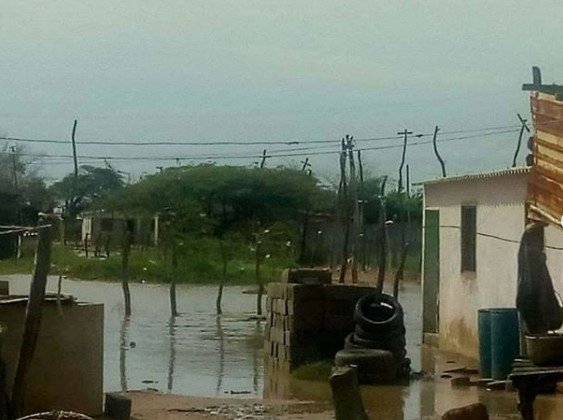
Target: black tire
397, 343
378, 313
377, 366
349, 343
385, 335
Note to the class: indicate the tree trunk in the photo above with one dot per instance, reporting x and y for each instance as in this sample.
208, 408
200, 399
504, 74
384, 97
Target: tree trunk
348, 404
32, 322
382, 248
173, 306
125, 250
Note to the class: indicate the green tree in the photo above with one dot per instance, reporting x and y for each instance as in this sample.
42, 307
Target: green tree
92, 183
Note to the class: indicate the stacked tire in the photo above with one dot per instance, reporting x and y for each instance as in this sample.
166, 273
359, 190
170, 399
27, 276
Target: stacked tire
380, 325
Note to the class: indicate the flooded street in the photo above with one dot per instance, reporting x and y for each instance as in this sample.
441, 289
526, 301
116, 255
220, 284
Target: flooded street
199, 355
195, 354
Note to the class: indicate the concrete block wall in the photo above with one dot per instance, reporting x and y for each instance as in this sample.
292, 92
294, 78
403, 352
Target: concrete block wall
307, 322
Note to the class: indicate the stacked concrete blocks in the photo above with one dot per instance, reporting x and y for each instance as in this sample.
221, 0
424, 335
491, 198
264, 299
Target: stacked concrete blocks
307, 322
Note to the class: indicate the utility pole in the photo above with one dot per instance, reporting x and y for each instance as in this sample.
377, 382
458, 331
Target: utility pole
442, 164
264, 157
14, 169
524, 126
74, 148
306, 164
406, 134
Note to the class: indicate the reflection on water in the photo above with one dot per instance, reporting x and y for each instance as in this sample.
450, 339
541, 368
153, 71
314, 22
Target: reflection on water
123, 345
195, 353
172, 360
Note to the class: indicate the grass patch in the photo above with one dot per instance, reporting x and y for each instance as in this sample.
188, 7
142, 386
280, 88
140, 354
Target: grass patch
196, 265
316, 371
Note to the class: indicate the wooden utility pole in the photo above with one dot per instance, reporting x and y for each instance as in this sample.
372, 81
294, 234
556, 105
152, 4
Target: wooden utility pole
382, 238
264, 157
442, 164
125, 251
223, 279
362, 202
355, 208
74, 148
406, 134
306, 164
14, 169
32, 321
345, 211
523, 127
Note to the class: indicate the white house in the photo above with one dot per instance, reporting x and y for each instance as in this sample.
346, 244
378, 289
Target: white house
472, 229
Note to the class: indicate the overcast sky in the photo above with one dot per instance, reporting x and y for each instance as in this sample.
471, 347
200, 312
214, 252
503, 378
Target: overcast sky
273, 70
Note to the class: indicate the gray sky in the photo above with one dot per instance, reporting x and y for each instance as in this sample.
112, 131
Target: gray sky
268, 70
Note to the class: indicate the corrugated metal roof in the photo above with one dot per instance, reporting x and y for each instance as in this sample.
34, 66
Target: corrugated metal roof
481, 175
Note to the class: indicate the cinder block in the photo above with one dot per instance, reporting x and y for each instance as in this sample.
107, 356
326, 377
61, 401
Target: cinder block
275, 290
117, 406
338, 323
347, 291
304, 292
470, 412
306, 276
340, 307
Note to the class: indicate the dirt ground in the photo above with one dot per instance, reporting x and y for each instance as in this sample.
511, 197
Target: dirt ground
155, 405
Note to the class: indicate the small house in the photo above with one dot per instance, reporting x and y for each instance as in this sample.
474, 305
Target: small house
101, 225
471, 234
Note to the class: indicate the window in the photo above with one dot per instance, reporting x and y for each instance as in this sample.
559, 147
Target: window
468, 238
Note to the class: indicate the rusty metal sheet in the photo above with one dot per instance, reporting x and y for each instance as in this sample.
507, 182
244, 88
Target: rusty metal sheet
545, 185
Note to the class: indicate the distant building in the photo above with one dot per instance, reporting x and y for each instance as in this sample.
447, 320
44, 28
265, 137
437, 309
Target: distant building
100, 225
472, 230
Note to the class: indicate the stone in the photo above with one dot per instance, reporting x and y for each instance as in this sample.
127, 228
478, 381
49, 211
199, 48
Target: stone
470, 412
117, 406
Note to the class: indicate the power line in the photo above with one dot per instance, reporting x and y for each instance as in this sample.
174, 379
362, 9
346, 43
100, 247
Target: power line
239, 143
256, 156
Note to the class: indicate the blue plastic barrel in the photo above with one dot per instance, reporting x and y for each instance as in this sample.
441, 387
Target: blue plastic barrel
484, 322
504, 341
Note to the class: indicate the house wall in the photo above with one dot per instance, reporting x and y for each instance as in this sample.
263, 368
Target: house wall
501, 213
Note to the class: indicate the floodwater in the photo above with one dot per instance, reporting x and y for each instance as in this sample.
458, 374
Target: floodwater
202, 355
193, 354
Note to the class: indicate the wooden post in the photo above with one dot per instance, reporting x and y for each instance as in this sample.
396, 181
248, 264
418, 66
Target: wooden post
3, 394
32, 322
355, 209
382, 239
257, 275
224, 259
442, 164
523, 127
125, 250
345, 212
86, 244
400, 271
173, 306
348, 404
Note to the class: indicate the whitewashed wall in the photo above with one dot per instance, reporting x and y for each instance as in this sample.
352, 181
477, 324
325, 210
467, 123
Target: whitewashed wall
500, 212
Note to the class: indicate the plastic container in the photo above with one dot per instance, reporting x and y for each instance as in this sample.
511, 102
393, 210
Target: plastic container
504, 341
484, 323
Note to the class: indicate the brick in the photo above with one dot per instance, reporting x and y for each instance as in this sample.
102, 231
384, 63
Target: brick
306, 276
340, 307
338, 323
275, 290
304, 292
347, 292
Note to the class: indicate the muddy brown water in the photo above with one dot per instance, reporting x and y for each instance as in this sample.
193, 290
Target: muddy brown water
201, 355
